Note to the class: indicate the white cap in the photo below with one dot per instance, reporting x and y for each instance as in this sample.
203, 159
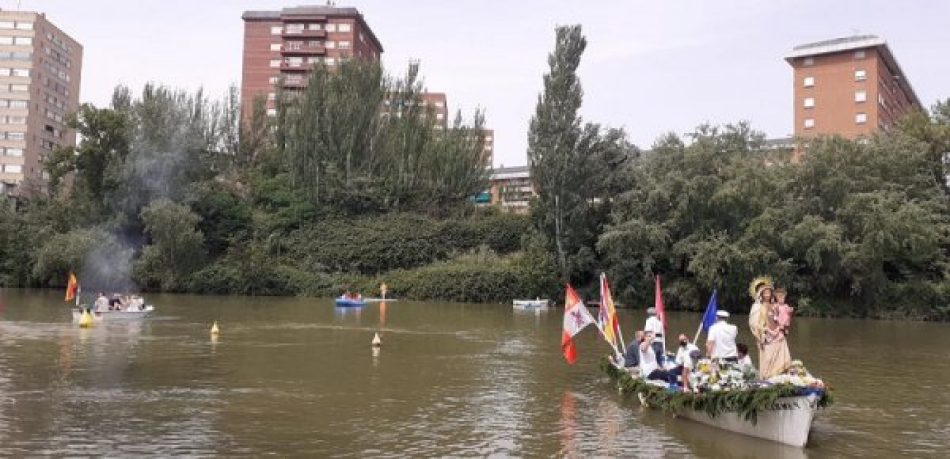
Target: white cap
723, 314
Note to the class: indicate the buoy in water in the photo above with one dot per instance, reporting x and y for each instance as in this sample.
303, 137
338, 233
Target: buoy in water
85, 320
376, 341
214, 328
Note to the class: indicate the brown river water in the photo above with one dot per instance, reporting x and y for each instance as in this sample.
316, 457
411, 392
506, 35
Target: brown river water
297, 377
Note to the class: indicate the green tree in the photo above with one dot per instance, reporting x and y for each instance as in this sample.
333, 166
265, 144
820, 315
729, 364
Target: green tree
175, 245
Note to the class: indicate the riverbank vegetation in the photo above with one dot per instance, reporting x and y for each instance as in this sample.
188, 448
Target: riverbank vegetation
351, 184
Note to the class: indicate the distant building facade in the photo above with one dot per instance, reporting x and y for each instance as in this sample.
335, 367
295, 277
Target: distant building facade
40, 69
510, 189
848, 86
284, 45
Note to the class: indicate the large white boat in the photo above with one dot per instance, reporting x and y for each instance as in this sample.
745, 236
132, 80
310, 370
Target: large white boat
118, 315
787, 420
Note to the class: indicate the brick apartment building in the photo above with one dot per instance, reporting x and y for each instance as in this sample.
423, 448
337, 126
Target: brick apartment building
848, 86
288, 42
40, 68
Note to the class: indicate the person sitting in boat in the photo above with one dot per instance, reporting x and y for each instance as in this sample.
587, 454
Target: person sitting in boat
136, 303
655, 327
649, 367
102, 303
631, 358
686, 357
742, 352
721, 341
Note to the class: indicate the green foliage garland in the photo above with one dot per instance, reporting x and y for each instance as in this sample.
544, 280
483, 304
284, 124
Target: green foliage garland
747, 403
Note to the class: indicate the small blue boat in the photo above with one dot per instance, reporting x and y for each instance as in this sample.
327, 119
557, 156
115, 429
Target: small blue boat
342, 302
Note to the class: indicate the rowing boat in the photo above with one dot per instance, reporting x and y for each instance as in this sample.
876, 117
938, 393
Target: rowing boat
114, 315
530, 304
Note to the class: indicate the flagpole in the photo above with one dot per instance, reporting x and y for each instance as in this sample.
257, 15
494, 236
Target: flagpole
699, 330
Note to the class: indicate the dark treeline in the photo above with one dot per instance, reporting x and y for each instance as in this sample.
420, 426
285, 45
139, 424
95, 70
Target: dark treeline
351, 184
856, 228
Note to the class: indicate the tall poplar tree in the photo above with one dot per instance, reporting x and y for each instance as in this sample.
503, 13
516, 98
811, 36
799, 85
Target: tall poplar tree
574, 166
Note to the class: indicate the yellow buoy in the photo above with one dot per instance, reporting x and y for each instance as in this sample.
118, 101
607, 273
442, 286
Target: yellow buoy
376, 341
85, 320
214, 328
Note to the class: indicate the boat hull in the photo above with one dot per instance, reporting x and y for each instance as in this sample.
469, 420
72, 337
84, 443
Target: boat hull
789, 421
528, 305
341, 303
114, 315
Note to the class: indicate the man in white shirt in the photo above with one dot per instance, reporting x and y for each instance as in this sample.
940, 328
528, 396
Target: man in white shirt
721, 342
655, 327
686, 357
649, 368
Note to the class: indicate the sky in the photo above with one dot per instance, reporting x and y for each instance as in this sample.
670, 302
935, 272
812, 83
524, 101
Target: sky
651, 67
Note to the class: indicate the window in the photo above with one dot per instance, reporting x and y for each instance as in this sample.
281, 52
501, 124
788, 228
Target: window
809, 82
345, 27
21, 72
275, 63
295, 61
18, 104
275, 46
6, 24
295, 28
809, 102
330, 44
276, 30
808, 61
24, 40
273, 80
859, 54
861, 118
314, 26
6, 40
271, 96
809, 123
15, 135
13, 169
313, 60
330, 27
271, 112
860, 96
19, 88
860, 75
14, 152
362, 38
344, 44
330, 61
24, 25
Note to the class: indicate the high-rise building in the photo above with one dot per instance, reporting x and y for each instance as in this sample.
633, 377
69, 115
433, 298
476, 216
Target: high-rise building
287, 43
40, 68
439, 104
848, 86
489, 149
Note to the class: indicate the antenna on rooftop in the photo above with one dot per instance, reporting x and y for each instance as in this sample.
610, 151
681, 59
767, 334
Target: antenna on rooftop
331, 3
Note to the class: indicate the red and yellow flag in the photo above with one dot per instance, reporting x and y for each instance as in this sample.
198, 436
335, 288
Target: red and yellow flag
71, 287
607, 316
576, 317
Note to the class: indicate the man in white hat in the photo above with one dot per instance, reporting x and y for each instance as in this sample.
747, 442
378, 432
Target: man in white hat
721, 340
654, 327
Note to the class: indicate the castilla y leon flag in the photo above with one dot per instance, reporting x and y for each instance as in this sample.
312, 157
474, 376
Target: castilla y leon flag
607, 315
576, 317
71, 286
658, 304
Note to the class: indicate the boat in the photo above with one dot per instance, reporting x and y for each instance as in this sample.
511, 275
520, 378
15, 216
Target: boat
786, 418
109, 316
527, 305
344, 302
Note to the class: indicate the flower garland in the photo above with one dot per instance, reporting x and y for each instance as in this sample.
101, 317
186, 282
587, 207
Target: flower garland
747, 403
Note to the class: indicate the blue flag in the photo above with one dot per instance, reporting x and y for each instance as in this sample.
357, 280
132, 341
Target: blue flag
709, 317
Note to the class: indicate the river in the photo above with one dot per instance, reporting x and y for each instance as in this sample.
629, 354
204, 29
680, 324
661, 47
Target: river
296, 376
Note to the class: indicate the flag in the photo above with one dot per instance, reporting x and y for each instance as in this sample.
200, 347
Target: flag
658, 304
709, 317
576, 317
607, 315
72, 285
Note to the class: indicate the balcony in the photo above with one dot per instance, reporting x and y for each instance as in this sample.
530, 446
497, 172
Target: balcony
302, 50
302, 67
305, 33
295, 82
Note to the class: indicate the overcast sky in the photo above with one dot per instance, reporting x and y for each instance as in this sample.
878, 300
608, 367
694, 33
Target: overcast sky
651, 66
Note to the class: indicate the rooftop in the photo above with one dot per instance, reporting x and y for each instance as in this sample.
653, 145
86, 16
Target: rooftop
312, 10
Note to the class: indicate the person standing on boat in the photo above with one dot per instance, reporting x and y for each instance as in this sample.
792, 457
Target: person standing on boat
721, 341
654, 327
102, 303
686, 357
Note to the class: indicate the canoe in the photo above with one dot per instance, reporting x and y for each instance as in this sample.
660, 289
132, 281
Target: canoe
787, 420
115, 315
349, 303
530, 304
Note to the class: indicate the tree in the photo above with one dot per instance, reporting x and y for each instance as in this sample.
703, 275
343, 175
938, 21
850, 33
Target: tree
175, 245
573, 166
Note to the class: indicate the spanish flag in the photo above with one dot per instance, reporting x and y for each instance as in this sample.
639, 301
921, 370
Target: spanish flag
72, 286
